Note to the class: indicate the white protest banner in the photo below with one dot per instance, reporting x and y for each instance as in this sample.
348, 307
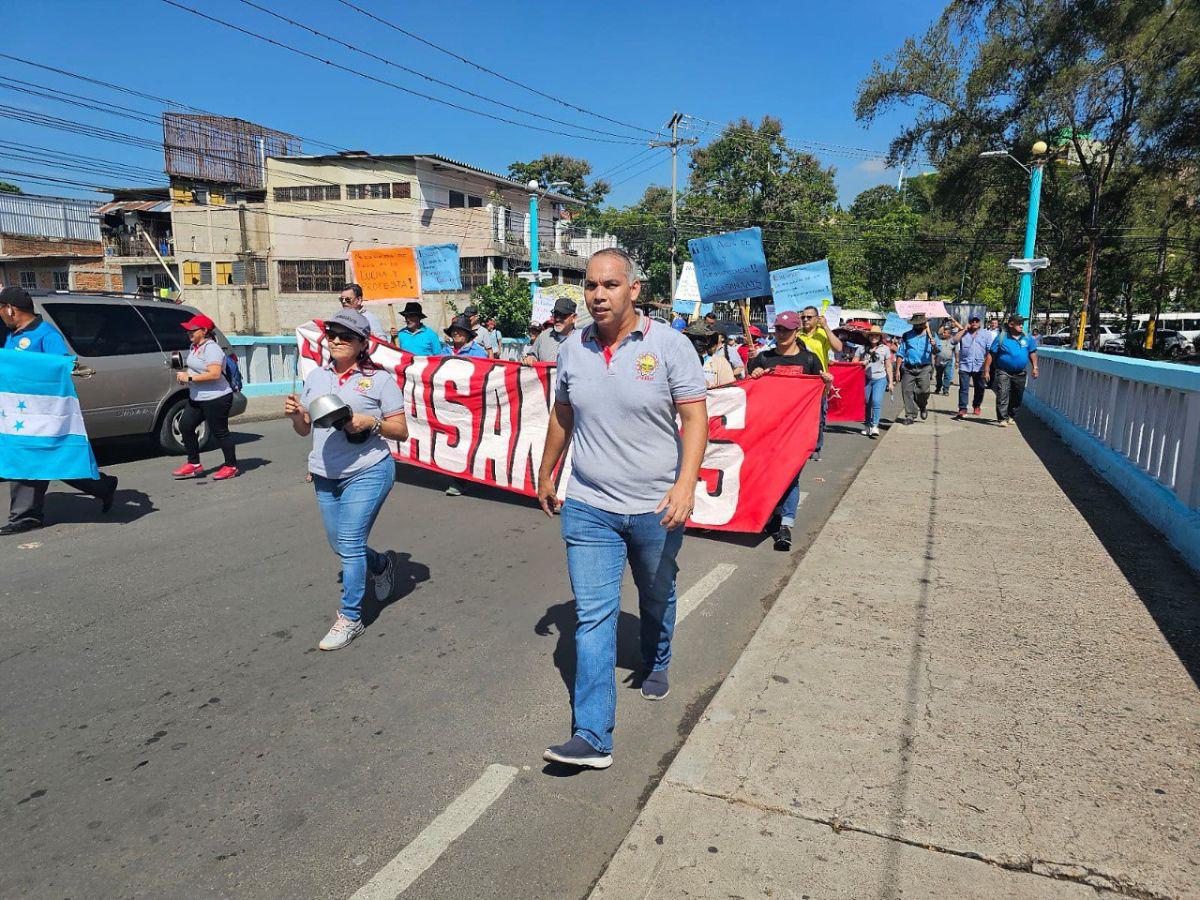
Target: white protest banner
543, 305
833, 316
933, 309
687, 292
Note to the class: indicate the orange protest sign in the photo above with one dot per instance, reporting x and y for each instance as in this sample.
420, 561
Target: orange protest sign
386, 273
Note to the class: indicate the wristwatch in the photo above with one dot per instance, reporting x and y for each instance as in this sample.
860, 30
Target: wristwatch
377, 428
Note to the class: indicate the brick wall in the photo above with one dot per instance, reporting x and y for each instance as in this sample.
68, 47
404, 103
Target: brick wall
12, 245
86, 276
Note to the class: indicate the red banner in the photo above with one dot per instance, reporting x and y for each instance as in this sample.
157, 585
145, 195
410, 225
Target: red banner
485, 421
848, 395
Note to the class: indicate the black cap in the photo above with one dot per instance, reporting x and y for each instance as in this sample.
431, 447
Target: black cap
564, 306
461, 323
974, 319
471, 311
16, 297
412, 308
1014, 319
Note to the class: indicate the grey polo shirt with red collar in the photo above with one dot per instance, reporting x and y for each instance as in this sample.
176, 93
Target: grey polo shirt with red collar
626, 441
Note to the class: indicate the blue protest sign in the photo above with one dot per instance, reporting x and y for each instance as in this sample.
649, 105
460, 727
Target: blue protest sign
730, 266
799, 286
439, 267
896, 326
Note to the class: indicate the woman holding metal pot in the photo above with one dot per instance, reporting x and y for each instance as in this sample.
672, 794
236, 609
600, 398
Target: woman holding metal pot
210, 398
349, 406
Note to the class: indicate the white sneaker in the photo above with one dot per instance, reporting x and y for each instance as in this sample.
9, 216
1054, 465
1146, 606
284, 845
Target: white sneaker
866, 432
874, 431
385, 580
343, 632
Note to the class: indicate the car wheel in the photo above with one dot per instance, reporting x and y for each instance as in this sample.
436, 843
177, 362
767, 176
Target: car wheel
170, 439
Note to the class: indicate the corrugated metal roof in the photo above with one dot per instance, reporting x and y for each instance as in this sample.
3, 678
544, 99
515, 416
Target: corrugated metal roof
50, 217
156, 206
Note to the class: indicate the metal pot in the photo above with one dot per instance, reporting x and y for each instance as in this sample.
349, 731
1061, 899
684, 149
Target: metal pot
329, 411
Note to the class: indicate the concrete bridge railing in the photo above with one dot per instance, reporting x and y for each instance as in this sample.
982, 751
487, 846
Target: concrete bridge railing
1137, 422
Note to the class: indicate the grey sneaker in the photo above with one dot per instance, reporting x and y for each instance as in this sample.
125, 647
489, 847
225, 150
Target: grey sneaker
343, 632
655, 686
453, 490
578, 752
385, 581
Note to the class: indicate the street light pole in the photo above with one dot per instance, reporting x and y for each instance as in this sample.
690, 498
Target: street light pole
1025, 293
674, 143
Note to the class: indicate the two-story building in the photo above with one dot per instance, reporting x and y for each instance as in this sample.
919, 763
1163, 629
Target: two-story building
322, 207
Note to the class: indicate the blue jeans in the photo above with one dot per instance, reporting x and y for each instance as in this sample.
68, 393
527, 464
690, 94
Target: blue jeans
821, 430
965, 381
876, 388
598, 544
348, 509
789, 504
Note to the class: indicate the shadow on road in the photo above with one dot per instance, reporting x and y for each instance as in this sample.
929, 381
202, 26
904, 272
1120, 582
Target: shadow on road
114, 451
64, 505
560, 618
1162, 580
409, 574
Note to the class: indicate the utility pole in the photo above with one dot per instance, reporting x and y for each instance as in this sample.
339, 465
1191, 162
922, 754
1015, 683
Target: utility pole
674, 143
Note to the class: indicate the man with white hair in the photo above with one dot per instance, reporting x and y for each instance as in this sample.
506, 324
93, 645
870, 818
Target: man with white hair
621, 383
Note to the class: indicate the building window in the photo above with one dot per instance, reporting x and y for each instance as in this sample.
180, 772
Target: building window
308, 192
260, 271
401, 190
307, 276
473, 270
197, 272
224, 273
368, 192
457, 200
62, 280
29, 280
474, 202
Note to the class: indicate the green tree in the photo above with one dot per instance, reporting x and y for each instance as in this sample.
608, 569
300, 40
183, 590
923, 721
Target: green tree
999, 73
6, 188
507, 300
750, 176
557, 167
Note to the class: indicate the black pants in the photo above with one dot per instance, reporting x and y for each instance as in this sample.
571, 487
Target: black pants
28, 498
216, 414
1010, 389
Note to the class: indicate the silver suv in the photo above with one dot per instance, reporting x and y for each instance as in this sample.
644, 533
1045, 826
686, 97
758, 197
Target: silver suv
125, 382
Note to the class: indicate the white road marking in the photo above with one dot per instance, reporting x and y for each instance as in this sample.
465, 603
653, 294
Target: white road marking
411, 862
700, 591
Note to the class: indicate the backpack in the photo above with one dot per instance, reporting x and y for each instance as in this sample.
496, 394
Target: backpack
232, 373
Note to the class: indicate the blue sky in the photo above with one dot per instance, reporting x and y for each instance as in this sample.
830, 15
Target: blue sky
634, 62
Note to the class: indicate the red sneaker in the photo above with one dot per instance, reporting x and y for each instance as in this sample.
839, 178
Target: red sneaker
978, 411
226, 472
189, 470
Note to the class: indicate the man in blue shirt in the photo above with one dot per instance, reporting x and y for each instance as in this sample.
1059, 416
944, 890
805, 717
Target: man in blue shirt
1011, 356
972, 342
28, 332
416, 337
462, 340
916, 352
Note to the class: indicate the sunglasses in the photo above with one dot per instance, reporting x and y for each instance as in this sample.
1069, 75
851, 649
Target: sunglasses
808, 317
337, 334
346, 301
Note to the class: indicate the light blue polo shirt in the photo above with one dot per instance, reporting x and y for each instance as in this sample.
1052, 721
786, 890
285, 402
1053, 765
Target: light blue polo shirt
374, 392
471, 349
917, 349
1011, 354
40, 337
422, 342
626, 441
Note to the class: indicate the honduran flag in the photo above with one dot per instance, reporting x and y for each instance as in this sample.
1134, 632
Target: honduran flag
42, 437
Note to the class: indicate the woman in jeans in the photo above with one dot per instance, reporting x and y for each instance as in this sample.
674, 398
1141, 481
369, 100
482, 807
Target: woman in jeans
209, 400
352, 467
876, 358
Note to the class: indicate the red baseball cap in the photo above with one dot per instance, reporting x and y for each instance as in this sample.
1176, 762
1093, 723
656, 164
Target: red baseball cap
199, 321
788, 319
755, 331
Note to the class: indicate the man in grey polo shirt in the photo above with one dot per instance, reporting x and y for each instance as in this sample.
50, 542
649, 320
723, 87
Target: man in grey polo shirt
546, 345
621, 383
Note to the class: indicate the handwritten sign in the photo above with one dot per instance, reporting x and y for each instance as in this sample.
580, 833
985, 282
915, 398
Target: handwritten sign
933, 309
799, 286
386, 273
687, 292
833, 316
439, 267
730, 266
770, 317
895, 325
543, 305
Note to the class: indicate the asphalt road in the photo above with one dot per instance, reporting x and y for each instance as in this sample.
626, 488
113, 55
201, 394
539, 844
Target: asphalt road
169, 728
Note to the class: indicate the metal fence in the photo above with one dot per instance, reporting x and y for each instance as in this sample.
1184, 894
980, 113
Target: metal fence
49, 217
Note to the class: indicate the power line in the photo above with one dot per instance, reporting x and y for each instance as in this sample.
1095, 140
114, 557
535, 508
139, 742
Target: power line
417, 72
386, 83
485, 69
